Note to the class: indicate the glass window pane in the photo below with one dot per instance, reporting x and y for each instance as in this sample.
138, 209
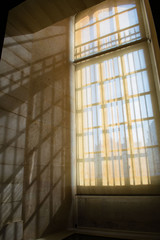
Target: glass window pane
109, 24
116, 104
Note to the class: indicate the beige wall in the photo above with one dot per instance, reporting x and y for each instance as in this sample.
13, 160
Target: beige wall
15, 68
35, 133
47, 186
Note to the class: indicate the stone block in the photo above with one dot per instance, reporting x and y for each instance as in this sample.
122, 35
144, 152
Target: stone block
130, 213
15, 60
44, 216
12, 120
30, 228
12, 230
11, 211
21, 76
34, 130
9, 172
30, 201
11, 192
11, 155
13, 138
5, 68
13, 104
12, 88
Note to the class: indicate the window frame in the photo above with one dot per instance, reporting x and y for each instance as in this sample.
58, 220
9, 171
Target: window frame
135, 190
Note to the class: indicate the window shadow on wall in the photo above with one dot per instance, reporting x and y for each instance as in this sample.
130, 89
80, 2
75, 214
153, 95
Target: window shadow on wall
15, 70
47, 196
35, 133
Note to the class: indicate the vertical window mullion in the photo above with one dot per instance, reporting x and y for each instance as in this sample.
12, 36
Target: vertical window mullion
117, 22
90, 153
82, 111
135, 121
118, 126
104, 127
87, 123
128, 112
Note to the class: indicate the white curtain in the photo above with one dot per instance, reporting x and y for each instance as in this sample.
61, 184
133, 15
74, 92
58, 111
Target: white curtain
117, 114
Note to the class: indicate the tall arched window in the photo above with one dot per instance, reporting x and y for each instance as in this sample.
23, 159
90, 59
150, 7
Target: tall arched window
117, 113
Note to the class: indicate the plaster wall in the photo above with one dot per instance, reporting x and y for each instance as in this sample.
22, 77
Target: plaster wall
35, 169
47, 181
15, 68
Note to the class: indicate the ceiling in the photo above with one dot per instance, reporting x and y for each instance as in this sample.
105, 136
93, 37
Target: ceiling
28, 16
33, 15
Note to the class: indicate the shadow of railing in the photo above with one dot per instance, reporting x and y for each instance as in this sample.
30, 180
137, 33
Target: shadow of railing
47, 148
47, 186
35, 147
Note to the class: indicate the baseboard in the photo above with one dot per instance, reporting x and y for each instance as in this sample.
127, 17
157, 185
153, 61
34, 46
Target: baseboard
131, 235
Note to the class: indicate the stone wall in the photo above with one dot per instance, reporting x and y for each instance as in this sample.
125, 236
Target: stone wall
47, 187
15, 69
35, 153
119, 213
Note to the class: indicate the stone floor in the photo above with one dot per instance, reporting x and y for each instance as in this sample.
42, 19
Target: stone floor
77, 236
57, 236
68, 235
